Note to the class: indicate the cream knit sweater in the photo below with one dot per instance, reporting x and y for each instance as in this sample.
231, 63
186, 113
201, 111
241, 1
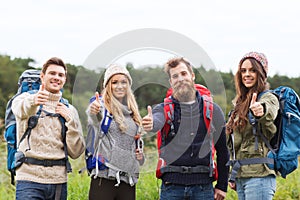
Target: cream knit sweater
46, 139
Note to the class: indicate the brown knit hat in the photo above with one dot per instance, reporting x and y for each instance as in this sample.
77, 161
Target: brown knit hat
260, 57
115, 69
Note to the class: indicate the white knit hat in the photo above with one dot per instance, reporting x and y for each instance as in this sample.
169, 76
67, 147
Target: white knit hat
115, 69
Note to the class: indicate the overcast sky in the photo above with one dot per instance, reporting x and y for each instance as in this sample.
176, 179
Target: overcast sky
226, 30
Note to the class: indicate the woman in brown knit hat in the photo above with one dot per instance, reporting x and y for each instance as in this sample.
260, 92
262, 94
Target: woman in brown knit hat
250, 176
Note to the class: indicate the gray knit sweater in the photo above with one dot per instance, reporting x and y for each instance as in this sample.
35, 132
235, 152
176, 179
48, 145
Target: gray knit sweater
118, 148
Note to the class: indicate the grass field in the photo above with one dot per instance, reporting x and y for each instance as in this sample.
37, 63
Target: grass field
147, 187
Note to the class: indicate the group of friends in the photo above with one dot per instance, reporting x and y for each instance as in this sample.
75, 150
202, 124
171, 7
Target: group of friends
187, 149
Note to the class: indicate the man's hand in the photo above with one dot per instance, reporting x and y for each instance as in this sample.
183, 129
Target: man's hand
42, 96
63, 110
147, 121
232, 185
219, 194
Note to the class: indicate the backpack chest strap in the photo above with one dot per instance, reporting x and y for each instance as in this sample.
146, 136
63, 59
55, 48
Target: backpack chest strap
236, 164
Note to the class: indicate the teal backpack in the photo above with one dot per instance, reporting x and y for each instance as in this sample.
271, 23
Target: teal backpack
285, 145
29, 81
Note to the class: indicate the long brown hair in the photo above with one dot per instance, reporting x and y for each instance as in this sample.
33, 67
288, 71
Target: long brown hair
243, 96
113, 106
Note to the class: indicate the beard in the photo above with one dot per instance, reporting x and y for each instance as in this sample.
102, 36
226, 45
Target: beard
184, 91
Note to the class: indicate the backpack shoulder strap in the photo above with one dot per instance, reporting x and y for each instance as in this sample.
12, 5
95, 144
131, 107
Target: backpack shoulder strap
106, 116
169, 117
106, 121
64, 130
254, 122
207, 104
207, 111
64, 101
207, 117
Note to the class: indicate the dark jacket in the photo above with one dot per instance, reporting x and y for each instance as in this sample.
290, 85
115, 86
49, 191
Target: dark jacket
189, 145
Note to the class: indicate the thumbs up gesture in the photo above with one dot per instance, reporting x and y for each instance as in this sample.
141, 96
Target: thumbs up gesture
42, 96
256, 107
147, 121
95, 106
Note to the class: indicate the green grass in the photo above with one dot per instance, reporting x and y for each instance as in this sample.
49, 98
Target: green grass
147, 187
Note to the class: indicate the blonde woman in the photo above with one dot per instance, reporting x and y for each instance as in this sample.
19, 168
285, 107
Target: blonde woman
115, 177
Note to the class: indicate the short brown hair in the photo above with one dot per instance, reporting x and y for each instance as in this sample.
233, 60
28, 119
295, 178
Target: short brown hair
54, 61
174, 62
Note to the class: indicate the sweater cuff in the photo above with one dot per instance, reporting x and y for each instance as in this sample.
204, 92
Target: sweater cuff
222, 186
68, 115
31, 100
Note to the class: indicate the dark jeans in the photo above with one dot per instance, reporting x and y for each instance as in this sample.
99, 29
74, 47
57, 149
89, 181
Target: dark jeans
190, 192
104, 189
38, 191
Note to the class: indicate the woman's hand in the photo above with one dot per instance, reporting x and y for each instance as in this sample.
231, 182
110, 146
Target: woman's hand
95, 106
139, 154
256, 107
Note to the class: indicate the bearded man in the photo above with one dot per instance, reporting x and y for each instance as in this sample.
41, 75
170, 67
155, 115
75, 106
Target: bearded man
187, 150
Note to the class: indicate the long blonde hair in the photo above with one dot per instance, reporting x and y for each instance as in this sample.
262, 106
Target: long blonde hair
114, 106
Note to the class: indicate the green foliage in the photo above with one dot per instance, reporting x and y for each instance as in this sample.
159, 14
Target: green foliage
78, 184
7, 190
289, 188
148, 187
150, 94
149, 85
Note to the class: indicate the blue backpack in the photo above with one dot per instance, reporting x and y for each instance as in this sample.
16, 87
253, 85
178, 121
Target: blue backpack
91, 160
285, 145
29, 81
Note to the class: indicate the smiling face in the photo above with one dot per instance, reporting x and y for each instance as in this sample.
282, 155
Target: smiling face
180, 73
54, 78
248, 73
182, 82
119, 86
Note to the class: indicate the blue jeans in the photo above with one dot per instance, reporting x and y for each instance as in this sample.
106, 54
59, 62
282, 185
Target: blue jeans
190, 192
256, 188
38, 191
